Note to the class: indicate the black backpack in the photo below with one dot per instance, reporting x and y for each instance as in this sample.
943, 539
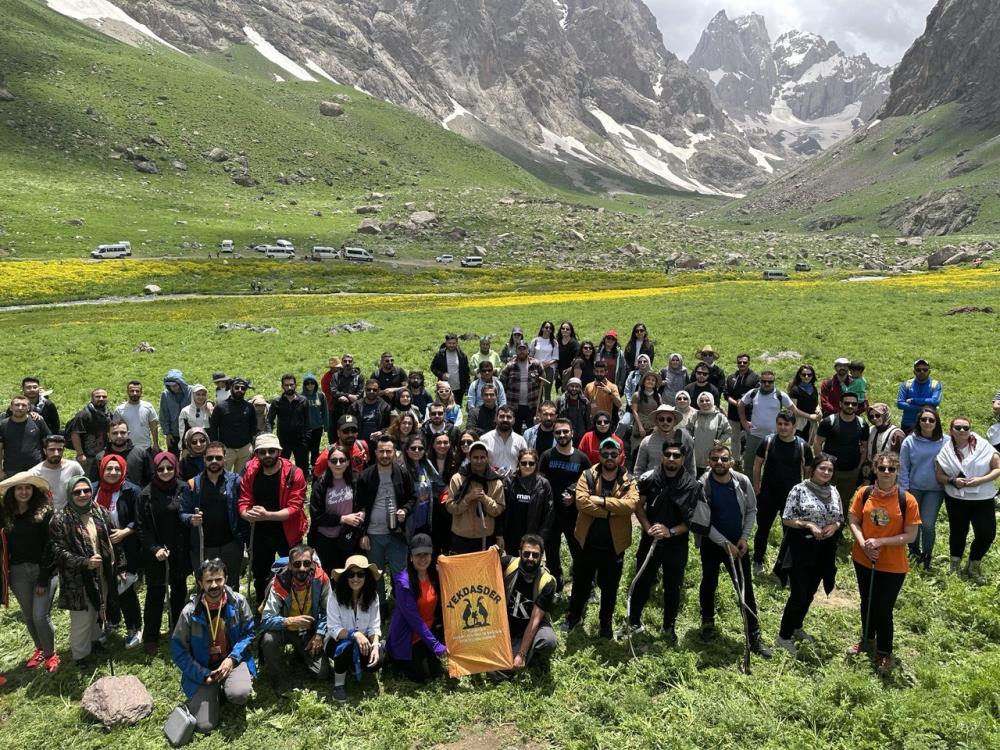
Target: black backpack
902, 500
748, 407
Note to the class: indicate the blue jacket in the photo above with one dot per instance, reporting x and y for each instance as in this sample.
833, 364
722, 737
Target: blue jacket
191, 499
919, 394
279, 603
191, 639
916, 463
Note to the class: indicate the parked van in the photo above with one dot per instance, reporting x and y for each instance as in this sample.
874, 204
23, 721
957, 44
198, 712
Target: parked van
279, 252
357, 253
472, 261
120, 249
800, 266
226, 246
321, 252
446, 258
775, 274
285, 244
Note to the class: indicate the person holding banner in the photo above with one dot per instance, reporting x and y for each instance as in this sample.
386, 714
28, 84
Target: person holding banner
416, 629
475, 499
606, 499
354, 623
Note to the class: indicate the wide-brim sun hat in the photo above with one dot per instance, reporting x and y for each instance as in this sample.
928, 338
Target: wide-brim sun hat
360, 562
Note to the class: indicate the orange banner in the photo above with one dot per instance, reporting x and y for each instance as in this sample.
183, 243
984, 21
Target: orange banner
475, 613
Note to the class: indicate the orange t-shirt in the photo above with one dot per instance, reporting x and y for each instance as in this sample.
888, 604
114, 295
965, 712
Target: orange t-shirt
880, 518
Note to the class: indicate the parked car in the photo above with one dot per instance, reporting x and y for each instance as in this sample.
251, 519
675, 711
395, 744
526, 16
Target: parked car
775, 274
358, 254
445, 258
321, 252
472, 261
279, 252
803, 267
120, 249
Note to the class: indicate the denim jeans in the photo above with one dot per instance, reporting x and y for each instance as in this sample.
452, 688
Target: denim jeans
929, 502
388, 552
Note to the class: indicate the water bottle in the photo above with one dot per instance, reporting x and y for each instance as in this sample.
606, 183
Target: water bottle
391, 513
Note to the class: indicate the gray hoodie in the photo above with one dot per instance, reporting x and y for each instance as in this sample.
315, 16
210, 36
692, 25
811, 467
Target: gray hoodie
171, 403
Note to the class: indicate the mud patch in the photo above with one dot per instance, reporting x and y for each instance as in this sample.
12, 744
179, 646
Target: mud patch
504, 737
838, 599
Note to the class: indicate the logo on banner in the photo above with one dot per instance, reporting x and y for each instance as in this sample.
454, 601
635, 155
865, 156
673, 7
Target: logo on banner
475, 616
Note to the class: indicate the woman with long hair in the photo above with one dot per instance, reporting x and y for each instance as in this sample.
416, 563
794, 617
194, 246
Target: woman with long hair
611, 352
812, 517
587, 357
416, 630
545, 348
644, 402
509, 350
917, 475
967, 465
569, 348
401, 428
444, 460
164, 542
26, 564
333, 518
803, 390
528, 507
427, 485
354, 623
638, 343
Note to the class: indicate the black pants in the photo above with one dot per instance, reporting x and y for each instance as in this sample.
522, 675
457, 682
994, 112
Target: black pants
298, 446
803, 580
563, 526
978, 513
126, 607
331, 554
344, 661
422, 665
461, 545
883, 598
606, 565
712, 557
152, 611
769, 505
524, 417
671, 557
269, 543
313, 440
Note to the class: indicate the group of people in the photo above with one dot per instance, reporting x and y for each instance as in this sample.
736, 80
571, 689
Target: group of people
551, 441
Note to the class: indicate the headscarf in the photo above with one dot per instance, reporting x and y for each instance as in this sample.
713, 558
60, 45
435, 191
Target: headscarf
882, 409
607, 416
170, 485
191, 433
106, 490
71, 504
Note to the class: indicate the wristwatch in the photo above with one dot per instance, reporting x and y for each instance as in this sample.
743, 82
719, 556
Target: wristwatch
670, 531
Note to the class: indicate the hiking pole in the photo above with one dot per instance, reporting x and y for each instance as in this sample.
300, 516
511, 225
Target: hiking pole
201, 539
253, 528
867, 624
631, 588
166, 592
739, 582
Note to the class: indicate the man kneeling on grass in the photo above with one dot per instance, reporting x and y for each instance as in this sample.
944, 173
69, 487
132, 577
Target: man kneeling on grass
531, 592
211, 646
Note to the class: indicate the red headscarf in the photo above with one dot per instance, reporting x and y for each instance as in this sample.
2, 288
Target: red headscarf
104, 489
170, 485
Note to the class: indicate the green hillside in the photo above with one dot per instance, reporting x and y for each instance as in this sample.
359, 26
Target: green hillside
897, 160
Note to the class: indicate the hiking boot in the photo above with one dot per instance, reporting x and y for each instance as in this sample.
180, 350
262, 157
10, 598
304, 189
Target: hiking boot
883, 664
757, 568
670, 635
925, 561
52, 663
954, 566
606, 632
339, 694
708, 631
757, 646
35, 660
857, 648
133, 639
788, 644
281, 687
975, 572
800, 635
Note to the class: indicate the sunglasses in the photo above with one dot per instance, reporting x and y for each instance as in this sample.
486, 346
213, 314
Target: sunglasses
807, 375
527, 555
82, 491
371, 390
337, 461
603, 421
240, 388
767, 382
348, 429
165, 470
466, 442
887, 469
664, 419
718, 459
302, 564
198, 441
609, 454
560, 433
355, 574
526, 463
921, 369
849, 404
673, 454
415, 448
212, 459
928, 420
961, 428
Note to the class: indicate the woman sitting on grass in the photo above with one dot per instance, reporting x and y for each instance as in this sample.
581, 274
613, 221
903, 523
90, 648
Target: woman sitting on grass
353, 623
416, 630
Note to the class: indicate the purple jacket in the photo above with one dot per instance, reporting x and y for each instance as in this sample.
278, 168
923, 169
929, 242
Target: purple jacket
406, 621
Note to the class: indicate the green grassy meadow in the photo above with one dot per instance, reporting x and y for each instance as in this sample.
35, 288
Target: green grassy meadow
943, 694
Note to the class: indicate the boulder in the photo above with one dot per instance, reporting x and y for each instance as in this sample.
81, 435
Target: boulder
144, 347
827, 223
423, 218
151, 289
74, 222
964, 167
574, 236
370, 226
358, 326
244, 179
179, 165
117, 701
330, 109
146, 167
154, 140
216, 154
372, 209
247, 327
936, 213
457, 233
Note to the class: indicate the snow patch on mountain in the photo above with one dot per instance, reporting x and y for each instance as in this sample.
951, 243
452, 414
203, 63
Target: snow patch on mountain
268, 51
563, 10
554, 144
319, 71
102, 10
457, 111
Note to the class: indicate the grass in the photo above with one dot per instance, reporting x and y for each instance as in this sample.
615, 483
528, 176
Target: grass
943, 694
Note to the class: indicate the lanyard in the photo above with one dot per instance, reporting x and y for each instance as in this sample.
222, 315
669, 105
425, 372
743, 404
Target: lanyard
214, 625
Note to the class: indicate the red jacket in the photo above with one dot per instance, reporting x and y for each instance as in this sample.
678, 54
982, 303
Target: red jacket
359, 459
291, 495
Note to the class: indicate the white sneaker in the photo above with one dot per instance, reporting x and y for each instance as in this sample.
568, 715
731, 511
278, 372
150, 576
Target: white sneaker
788, 645
800, 635
758, 569
134, 639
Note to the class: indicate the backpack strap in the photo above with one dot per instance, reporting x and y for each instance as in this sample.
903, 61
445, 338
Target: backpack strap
900, 493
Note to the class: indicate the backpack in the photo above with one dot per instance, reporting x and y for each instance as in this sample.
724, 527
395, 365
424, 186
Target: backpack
800, 449
902, 500
752, 393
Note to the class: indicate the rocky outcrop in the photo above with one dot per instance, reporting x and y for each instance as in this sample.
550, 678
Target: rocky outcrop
937, 213
956, 59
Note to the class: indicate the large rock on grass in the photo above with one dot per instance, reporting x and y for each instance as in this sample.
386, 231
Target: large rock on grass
330, 109
117, 701
937, 213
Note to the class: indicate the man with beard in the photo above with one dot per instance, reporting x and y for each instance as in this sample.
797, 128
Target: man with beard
290, 412
562, 465
531, 592
21, 439
737, 384
540, 436
89, 428
670, 503
758, 408
733, 507
371, 412
138, 461
57, 470
483, 416
716, 375
40, 404
452, 366
831, 389
343, 385
503, 443
845, 437
390, 379
234, 424
272, 493
475, 499
651, 448
140, 417
486, 379
295, 615
521, 379
176, 395
211, 645
421, 398
347, 441
575, 407
606, 499
437, 424
602, 393
210, 507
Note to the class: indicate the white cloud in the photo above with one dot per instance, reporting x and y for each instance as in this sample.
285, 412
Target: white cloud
884, 29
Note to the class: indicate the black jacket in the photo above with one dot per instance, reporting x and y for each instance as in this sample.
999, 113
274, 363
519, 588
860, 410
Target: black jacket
292, 417
160, 526
128, 518
138, 464
736, 388
367, 491
384, 416
49, 413
671, 501
541, 513
234, 422
439, 366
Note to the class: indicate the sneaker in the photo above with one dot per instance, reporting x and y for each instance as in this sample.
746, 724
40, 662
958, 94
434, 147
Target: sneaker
670, 636
883, 664
35, 660
133, 639
757, 568
630, 631
800, 635
339, 694
707, 632
568, 625
757, 646
786, 643
857, 648
52, 663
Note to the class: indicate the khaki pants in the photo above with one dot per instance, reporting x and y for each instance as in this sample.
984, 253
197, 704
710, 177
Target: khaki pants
236, 458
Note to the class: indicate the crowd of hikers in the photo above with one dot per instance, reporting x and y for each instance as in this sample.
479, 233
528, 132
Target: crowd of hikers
552, 441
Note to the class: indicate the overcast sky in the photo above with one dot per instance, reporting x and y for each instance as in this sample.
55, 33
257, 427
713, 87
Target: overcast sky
882, 28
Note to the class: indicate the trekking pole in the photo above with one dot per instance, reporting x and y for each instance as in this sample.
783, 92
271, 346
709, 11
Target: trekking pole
867, 624
739, 582
166, 592
201, 539
631, 588
253, 528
